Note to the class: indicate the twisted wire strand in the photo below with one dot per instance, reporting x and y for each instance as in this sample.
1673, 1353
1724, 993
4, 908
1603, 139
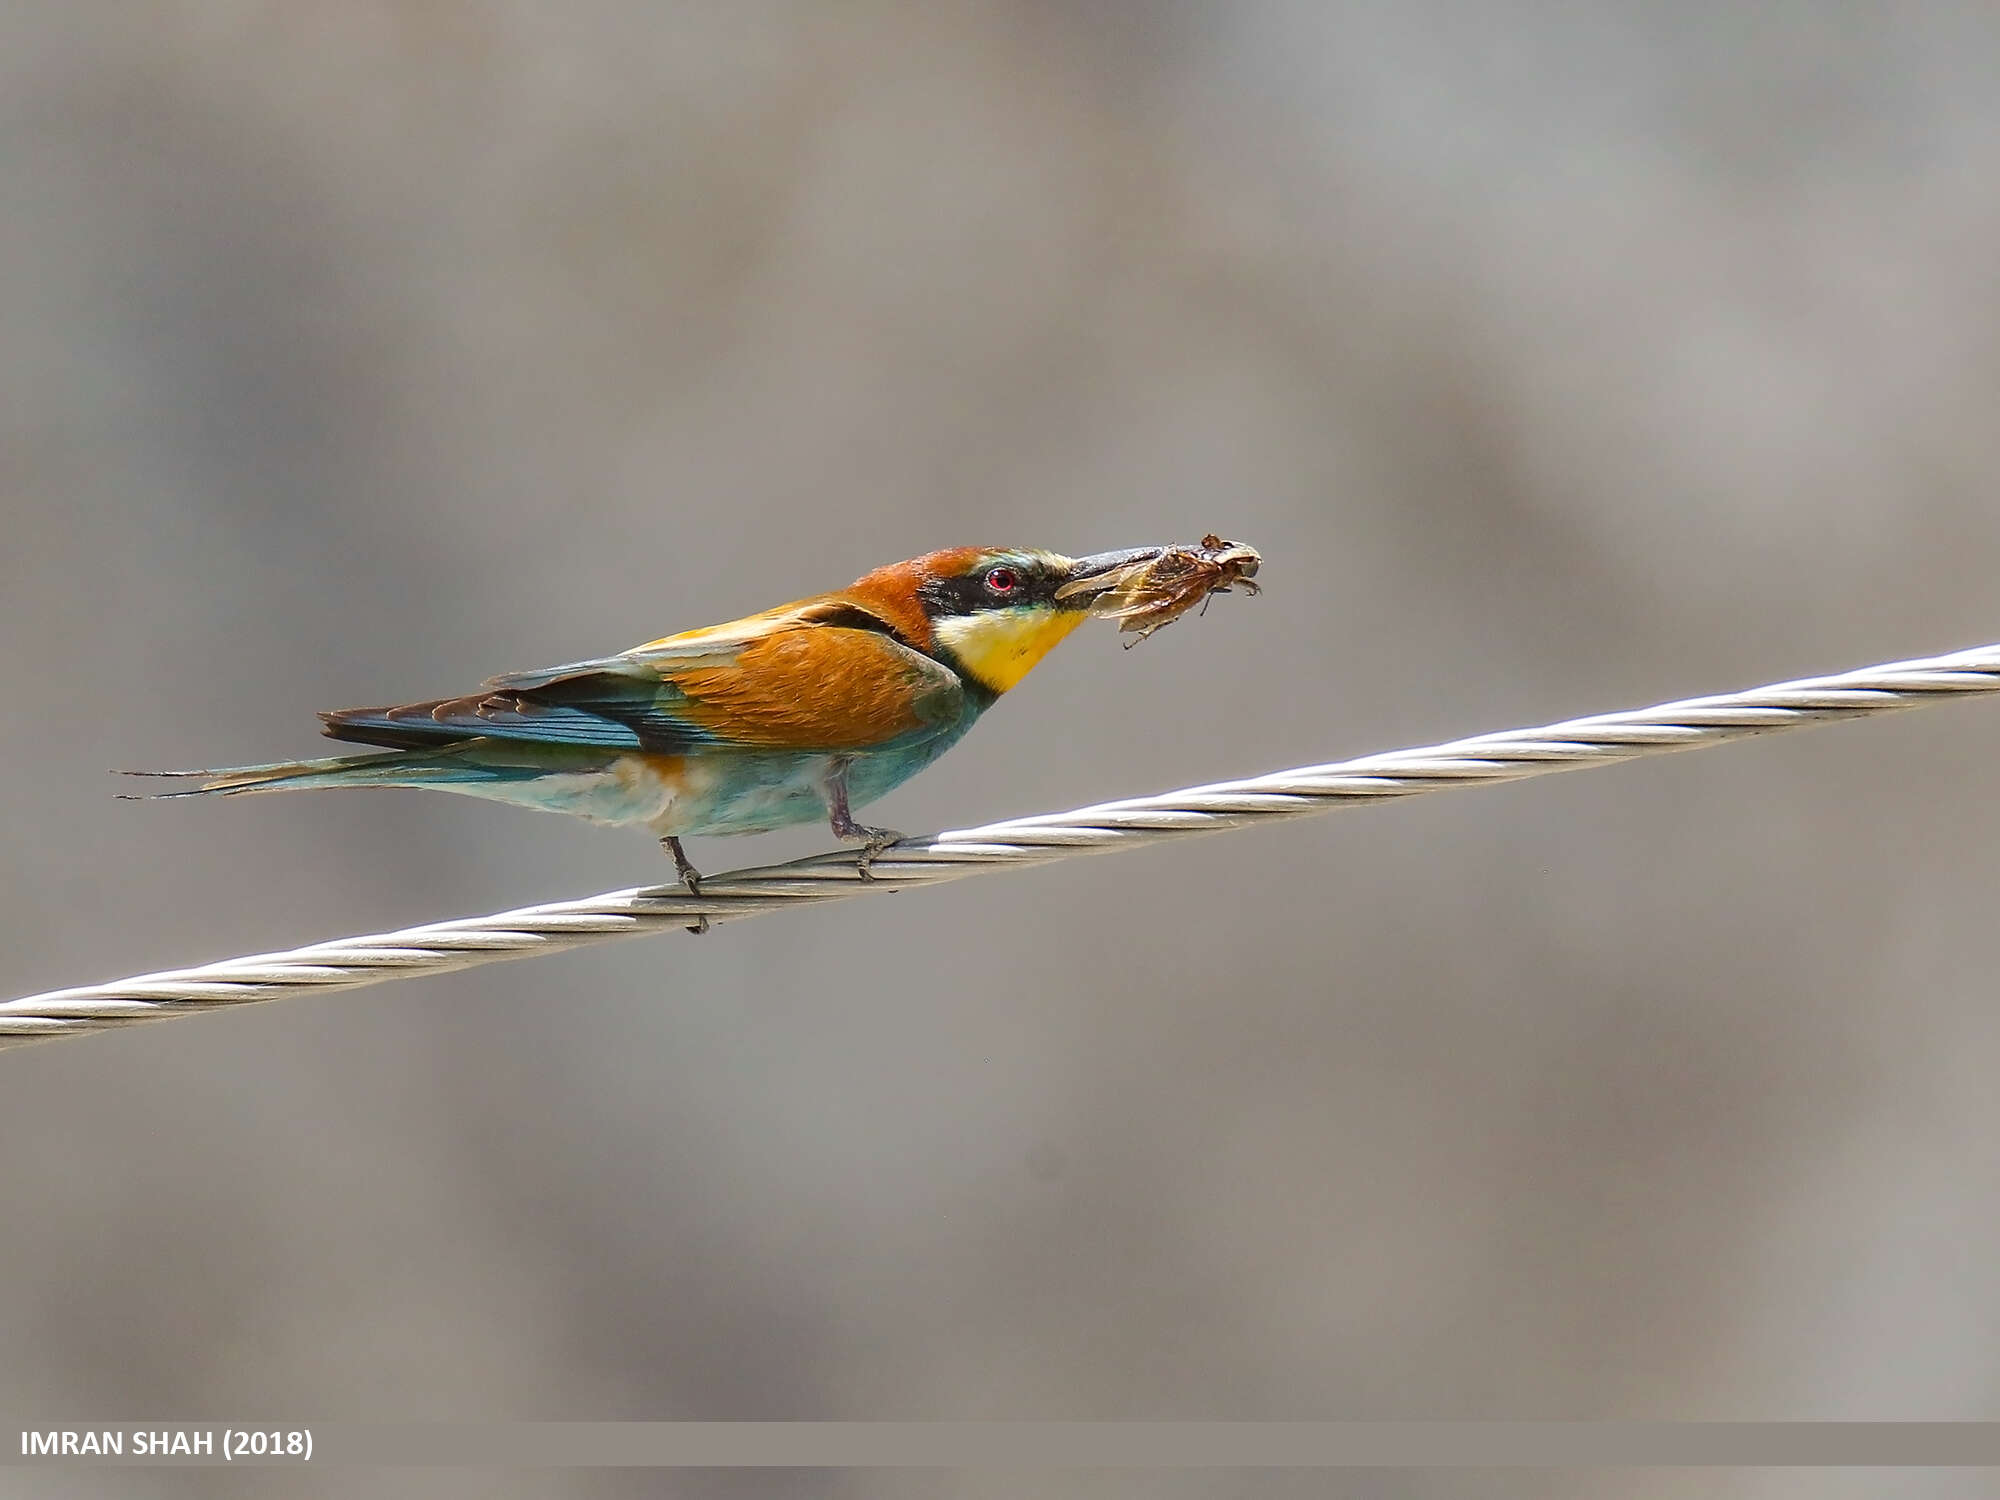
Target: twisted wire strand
1484, 760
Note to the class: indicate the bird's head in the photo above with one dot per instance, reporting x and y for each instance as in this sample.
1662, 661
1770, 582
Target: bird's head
991, 613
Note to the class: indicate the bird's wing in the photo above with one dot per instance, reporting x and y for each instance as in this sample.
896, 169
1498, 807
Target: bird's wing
810, 678
715, 645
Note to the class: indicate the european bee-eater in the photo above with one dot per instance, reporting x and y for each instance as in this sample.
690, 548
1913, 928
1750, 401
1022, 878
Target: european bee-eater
805, 711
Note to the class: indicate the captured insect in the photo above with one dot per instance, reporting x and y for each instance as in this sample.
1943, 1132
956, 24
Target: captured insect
1157, 590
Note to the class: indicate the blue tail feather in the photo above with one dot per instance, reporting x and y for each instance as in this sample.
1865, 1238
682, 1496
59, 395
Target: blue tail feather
388, 768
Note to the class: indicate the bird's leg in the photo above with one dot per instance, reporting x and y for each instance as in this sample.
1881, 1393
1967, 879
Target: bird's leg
683, 866
875, 840
690, 876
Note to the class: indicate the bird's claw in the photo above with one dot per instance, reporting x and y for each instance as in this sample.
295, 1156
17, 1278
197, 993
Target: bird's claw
873, 842
690, 877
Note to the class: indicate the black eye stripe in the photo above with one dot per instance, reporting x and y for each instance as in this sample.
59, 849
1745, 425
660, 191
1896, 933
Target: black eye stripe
968, 595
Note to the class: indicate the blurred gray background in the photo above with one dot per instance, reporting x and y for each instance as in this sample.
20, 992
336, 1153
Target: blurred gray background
1559, 359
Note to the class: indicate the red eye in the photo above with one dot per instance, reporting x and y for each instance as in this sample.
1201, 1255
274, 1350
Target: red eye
1003, 581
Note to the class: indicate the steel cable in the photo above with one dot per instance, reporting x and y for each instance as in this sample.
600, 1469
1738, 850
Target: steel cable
1483, 760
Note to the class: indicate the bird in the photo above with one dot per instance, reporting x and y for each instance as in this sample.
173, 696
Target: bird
805, 711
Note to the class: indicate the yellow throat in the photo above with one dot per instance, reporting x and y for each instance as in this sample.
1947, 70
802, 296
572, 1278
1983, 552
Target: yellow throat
1001, 646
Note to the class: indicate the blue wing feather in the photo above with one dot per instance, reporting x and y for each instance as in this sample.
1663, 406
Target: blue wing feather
602, 711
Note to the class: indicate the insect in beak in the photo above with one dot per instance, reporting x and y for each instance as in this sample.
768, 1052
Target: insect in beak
1149, 587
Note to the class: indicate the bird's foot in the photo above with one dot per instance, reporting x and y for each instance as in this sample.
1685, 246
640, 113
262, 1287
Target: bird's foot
872, 840
690, 877
841, 821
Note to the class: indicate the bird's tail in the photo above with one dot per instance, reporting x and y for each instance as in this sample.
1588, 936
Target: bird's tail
385, 768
